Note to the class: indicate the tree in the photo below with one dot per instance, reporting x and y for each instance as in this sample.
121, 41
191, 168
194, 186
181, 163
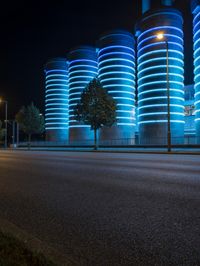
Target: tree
2, 131
96, 108
30, 121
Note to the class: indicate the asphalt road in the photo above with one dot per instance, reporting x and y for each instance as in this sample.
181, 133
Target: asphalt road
106, 208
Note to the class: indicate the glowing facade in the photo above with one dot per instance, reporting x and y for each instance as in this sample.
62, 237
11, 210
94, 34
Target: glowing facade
196, 31
152, 76
116, 62
56, 100
82, 69
142, 108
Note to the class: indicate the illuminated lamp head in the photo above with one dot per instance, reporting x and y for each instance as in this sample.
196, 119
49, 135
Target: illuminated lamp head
160, 36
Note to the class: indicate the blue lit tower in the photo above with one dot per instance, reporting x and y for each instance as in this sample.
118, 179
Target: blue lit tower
152, 74
56, 100
116, 61
196, 30
82, 69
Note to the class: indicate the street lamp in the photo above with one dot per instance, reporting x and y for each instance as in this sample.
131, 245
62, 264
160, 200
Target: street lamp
160, 36
6, 121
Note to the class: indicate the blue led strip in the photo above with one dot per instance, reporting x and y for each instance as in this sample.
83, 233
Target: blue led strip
196, 38
117, 74
152, 69
82, 69
56, 108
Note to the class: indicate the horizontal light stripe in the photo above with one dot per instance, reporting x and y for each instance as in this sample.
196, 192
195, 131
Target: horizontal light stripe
82, 71
154, 37
56, 94
125, 111
125, 104
158, 43
50, 90
124, 98
161, 74
83, 67
161, 97
160, 66
122, 117
56, 128
113, 66
80, 77
160, 113
115, 46
56, 80
49, 104
55, 70
56, 99
115, 53
115, 73
125, 124
80, 81
57, 114
160, 105
74, 99
76, 88
158, 59
157, 90
116, 59
56, 118
111, 79
75, 93
49, 109
161, 121
118, 85
127, 92
159, 51
54, 85
60, 123
79, 126
160, 82
82, 60
56, 75
160, 28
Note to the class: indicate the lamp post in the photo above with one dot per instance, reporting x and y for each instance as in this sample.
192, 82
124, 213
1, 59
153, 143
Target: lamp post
161, 36
6, 121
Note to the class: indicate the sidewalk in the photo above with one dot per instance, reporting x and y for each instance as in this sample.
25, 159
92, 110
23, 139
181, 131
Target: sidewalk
191, 151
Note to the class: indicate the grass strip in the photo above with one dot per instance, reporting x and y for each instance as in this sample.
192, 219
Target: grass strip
14, 252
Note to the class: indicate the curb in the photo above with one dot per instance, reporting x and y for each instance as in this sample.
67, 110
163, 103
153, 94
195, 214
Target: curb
35, 244
112, 151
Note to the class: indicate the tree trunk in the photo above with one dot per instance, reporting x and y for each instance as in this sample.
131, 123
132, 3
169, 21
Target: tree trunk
95, 139
29, 141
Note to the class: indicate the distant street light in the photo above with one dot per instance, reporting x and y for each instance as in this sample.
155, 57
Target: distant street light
6, 121
160, 36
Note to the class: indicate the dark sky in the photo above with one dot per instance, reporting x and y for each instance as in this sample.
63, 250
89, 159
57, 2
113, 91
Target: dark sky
34, 31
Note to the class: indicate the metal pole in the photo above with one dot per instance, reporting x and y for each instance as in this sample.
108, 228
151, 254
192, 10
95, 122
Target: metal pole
13, 133
6, 124
168, 102
17, 134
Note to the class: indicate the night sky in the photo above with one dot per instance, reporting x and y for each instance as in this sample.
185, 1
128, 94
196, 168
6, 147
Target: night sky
33, 32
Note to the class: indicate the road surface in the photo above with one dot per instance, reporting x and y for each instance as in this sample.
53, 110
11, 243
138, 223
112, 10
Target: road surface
106, 208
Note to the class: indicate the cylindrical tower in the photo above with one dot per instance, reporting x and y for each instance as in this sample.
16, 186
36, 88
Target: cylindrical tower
82, 69
146, 5
116, 61
196, 31
56, 100
154, 79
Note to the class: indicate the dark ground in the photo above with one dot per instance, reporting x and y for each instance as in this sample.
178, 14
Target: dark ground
106, 209
15, 253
